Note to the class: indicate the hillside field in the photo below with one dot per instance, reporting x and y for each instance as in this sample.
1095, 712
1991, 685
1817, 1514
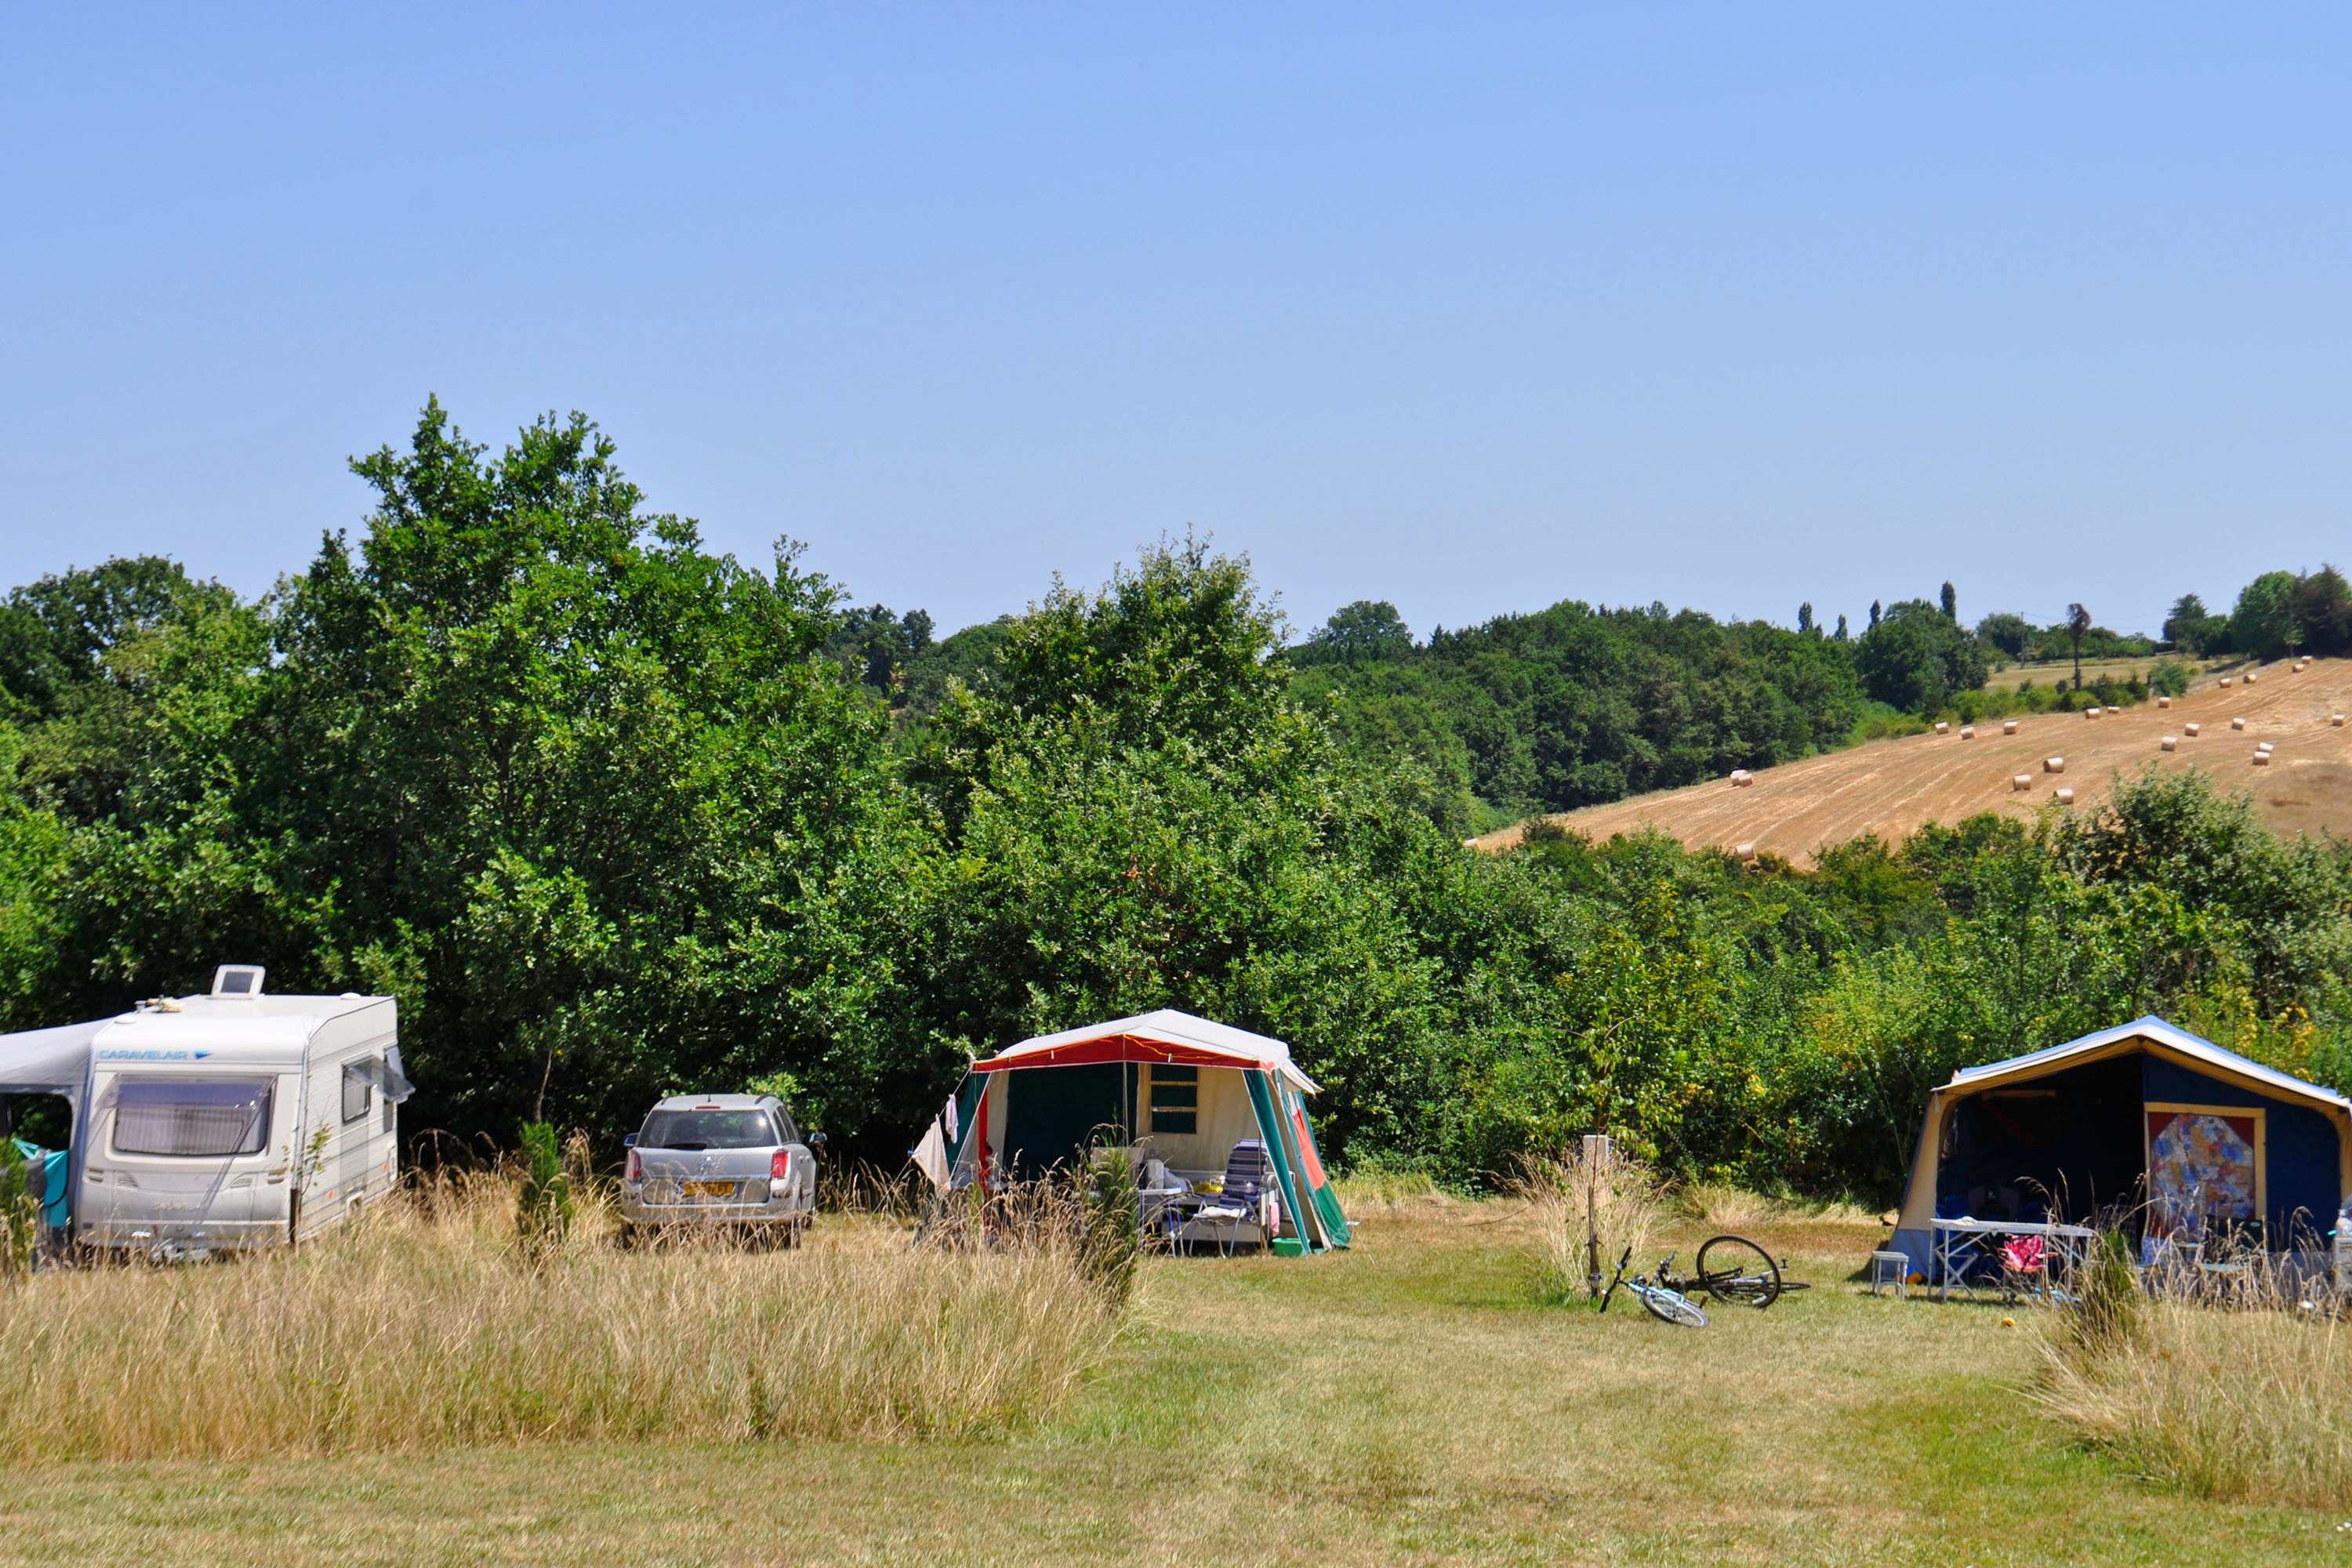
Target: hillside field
1891, 787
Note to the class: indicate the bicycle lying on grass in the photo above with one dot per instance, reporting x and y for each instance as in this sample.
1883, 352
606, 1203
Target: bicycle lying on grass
1730, 1268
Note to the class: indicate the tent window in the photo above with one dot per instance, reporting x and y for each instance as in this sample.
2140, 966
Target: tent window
198, 1117
359, 1089
1175, 1099
2022, 1119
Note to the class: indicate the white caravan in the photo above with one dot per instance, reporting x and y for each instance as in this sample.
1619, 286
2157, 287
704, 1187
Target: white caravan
236, 1120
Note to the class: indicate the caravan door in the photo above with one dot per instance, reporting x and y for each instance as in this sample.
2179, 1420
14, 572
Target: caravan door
347, 1137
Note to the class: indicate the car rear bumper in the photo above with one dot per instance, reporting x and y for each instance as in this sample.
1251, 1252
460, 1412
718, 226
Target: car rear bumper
635, 1210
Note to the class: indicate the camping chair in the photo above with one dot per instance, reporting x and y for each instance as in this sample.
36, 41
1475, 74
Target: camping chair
2024, 1267
1249, 1189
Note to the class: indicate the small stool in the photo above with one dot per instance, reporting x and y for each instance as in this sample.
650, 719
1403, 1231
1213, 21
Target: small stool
1889, 1269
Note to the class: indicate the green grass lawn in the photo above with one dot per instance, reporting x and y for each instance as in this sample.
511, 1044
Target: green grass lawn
1409, 1401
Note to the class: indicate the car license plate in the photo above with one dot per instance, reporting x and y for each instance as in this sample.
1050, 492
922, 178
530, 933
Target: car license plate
710, 1189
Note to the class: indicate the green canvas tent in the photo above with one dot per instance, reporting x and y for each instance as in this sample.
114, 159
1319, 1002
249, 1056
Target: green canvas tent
1185, 1091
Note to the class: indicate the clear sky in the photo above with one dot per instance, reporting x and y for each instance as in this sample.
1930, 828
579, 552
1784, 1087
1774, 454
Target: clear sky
1469, 309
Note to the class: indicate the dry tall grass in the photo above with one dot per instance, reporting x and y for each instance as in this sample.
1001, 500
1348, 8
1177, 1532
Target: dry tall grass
2239, 1407
421, 1325
1727, 1208
1618, 1199
2227, 1385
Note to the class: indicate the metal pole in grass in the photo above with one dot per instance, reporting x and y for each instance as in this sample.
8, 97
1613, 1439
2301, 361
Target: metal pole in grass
1597, 1152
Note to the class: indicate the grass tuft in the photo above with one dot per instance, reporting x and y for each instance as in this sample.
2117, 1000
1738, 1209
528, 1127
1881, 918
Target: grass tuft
2229, 1393
1616, 1202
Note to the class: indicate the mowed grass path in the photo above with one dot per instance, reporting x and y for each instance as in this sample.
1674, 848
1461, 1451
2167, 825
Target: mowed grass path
1411, 1401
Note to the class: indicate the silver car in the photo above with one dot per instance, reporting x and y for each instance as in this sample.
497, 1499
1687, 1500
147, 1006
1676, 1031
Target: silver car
734, 1161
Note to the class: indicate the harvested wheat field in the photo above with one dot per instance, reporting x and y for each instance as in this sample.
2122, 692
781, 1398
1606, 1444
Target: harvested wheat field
1890, 787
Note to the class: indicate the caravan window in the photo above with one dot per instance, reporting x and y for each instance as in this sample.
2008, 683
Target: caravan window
211, 1116
358, 1090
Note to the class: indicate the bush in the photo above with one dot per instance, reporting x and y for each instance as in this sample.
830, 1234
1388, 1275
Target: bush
2105, 1315
1112, 1240
544, 1207
20, 1213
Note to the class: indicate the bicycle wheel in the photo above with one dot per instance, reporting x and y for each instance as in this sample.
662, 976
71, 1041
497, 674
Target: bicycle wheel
1668, 1307
1734, 1269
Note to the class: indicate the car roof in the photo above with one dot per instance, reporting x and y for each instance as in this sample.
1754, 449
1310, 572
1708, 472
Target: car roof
713, 1102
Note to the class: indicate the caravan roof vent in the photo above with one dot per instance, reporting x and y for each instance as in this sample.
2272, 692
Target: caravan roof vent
238, 980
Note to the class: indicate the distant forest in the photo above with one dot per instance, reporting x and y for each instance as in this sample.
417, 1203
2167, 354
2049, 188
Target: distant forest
1576, 706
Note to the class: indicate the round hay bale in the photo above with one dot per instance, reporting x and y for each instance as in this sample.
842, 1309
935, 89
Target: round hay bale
2164, 701
2337, 719
2009, 726
2092, 712
2020, 781
2065, 798
1943, 727
2191, 729
2250, 677
2237, 723
2054, 764
2228, 680
2262, 759
2266, 746
2169, 743
1742, 778
1745, 851
1968, 731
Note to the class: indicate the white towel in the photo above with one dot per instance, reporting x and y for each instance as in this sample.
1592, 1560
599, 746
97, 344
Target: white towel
931, 1156
951, 1119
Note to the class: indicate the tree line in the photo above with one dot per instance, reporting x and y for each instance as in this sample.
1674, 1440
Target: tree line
614, 816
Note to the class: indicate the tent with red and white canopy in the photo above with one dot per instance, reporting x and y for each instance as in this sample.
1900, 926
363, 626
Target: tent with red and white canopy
1184, 1092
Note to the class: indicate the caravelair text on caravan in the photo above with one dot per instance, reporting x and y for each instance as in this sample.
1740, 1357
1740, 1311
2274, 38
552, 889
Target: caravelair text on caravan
235, 1120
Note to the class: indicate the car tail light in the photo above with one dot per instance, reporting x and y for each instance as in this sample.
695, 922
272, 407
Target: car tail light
780, 1167
635, 1169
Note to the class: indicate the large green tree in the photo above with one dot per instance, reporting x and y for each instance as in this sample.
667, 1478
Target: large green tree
575, 790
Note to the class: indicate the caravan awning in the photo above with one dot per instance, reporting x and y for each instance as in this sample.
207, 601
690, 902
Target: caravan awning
1166, 1035
48, 1061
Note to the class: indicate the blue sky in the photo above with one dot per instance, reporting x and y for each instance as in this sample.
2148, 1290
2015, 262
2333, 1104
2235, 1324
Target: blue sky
1473, 311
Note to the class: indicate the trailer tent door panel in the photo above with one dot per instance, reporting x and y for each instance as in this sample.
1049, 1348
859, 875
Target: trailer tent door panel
1052, 1113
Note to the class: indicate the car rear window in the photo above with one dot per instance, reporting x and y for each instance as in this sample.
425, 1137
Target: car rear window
707, 1130
212, 1117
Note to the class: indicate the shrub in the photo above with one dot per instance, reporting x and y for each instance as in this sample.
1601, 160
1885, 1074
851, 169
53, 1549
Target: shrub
20, 1213
2105, 1315
544, 1207
1112, 1242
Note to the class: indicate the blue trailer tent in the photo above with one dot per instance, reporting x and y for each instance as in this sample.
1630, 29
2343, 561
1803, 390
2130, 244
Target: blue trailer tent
2144, 1118
1186, 1090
